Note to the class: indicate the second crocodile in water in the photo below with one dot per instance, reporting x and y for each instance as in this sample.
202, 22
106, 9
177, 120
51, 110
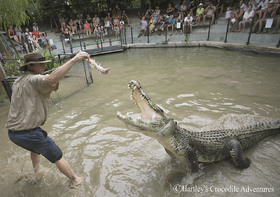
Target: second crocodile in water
204, 146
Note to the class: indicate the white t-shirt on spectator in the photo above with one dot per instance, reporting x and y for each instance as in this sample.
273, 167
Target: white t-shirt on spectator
244, 7
254, 7
263, 5
188, 20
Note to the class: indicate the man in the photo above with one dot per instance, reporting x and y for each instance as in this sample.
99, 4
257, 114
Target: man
247, 18
188, 23
209, 13
143, 26
171, 23
28, 111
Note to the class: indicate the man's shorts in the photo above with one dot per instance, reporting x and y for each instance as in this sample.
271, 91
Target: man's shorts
37, 141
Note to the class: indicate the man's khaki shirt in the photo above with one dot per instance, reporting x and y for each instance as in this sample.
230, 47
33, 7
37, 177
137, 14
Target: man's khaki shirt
29, 102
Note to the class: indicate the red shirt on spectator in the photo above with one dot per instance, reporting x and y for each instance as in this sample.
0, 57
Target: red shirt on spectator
36, 33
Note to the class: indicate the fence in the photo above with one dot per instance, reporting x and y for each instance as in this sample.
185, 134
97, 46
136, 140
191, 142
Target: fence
93, 44
218, 32
77, 78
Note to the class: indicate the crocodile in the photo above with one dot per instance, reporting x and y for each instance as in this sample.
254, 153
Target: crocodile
194, 147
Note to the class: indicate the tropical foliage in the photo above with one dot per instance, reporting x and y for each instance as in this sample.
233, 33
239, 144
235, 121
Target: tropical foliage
12, 67
17, 12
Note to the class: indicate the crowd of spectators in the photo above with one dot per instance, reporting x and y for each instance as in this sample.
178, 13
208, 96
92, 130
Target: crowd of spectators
111, 24
181, 16
260, 14
31, 40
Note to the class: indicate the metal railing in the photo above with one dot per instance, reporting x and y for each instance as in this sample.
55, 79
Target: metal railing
219, 31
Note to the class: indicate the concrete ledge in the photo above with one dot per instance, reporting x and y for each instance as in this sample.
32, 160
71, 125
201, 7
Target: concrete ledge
229, 46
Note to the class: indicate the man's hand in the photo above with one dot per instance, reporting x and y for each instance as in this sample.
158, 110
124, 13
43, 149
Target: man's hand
80, 56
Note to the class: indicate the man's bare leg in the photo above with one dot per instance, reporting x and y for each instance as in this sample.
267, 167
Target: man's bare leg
65, 168
36, 166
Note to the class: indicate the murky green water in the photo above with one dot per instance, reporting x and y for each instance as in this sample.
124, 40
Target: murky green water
195, 86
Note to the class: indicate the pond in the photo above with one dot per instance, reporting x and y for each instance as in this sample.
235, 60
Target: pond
198, 87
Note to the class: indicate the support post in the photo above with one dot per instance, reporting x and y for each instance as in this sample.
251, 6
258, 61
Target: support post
131, 35
250, 32
85, 71
209, 31
228, 21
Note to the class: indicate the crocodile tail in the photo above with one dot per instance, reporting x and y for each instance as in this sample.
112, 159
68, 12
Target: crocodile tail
253, 134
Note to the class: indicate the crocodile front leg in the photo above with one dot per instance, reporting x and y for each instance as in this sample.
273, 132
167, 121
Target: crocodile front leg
236, 153
192, 157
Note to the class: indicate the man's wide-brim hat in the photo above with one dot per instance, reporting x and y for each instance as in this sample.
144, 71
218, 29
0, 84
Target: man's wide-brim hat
33, 58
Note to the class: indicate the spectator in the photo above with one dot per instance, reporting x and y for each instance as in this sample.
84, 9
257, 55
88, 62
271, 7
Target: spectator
109, 16
67, 36
143, 26
169, 10
19, 34
176, 4
179, 24
210, 13
116, 26
228, 14
108, 25
73, 26
122, 23
61, 20
157, 11
80, 21
87, 28
116, 21
96, 19
45, 41
247, 18
36, 32
89, 19
234, 20
64, 27
12, 34
35, 44
254, 4
152, 25
171, 23
36, 28
160, 26
268, 14
182, 9
188, 23
125, 18
29, 42
263, 5
199, 13
243, 6
219, 6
